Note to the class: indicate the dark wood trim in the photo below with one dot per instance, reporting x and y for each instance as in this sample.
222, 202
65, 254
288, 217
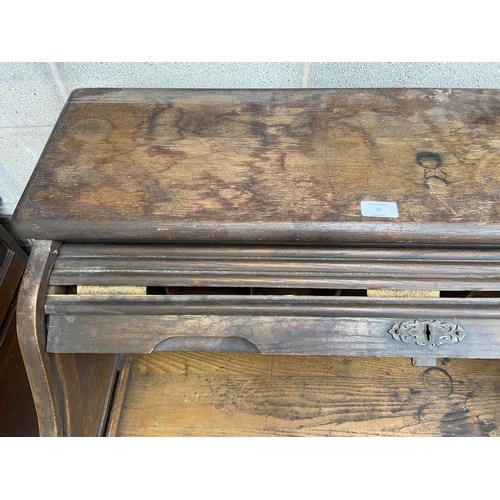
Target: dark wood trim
333, 233
12, 263
270, 305
32, 338
277, 266
109, 426
363, 336
17, 412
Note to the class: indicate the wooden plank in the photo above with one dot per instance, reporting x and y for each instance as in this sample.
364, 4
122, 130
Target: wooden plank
279, 253
277, 266
85, 386
364, 336
198, 394
271, 305
264, 166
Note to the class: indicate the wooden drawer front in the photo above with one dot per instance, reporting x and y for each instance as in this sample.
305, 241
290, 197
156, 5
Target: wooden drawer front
349, 326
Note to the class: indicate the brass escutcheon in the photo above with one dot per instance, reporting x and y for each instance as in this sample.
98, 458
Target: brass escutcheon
428, 332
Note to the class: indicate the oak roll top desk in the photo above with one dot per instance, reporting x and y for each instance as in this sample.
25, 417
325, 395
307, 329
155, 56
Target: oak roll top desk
326, 221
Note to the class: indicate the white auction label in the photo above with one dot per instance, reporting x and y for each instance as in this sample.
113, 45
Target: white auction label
379, 209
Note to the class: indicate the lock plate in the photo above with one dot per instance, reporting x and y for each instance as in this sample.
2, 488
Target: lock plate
428, 332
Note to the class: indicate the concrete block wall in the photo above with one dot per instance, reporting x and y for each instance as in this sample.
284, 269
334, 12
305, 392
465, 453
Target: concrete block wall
33, 94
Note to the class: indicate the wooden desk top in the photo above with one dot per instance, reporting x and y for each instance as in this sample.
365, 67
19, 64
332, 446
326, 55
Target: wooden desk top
281, 166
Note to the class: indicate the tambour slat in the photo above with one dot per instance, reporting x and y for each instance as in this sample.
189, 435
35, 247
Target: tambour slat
281, 252
270, 305
277, 266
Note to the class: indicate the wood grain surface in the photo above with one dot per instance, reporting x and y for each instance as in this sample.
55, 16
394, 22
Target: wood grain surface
278, 266
32, 336
269, 166
200, 394
363, 336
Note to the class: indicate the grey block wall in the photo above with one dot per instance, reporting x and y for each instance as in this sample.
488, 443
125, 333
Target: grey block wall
33, 94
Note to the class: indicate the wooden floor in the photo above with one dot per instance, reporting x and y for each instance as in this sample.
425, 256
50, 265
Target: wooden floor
214, 394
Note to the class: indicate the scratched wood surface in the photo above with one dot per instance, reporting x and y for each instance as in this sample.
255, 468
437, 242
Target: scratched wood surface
269, 166
277, 266
200, 394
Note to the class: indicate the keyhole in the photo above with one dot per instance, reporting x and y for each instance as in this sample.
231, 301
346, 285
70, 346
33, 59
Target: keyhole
427, 333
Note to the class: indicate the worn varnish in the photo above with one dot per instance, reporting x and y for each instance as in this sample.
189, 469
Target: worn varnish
277, 266
257, 223
269, 166
72, 393
200, 394
286, 325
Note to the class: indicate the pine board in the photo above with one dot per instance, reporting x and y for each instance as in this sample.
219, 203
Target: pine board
207, 394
